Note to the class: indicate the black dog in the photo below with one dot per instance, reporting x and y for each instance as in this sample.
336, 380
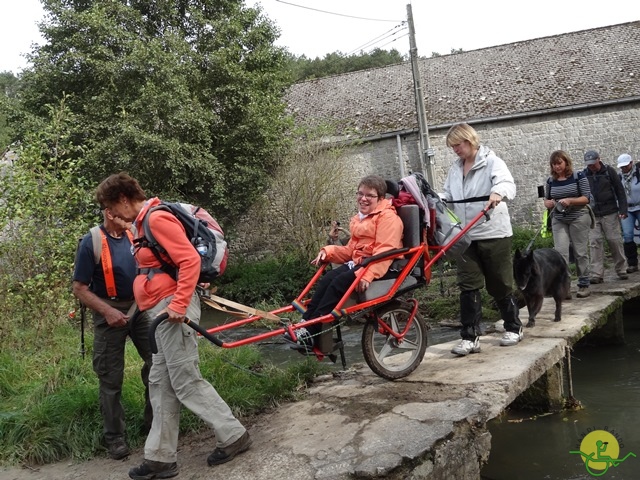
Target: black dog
538, 273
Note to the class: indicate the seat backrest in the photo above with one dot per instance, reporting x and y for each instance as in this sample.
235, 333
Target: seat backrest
410, 216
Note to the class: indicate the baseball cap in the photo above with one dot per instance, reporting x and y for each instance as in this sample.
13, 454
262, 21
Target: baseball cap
591, 157
624, 160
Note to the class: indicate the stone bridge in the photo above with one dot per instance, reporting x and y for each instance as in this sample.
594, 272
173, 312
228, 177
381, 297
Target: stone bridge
432, 424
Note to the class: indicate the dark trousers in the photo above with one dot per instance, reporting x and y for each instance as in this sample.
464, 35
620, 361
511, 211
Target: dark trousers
487, 263
329, 290
108, 363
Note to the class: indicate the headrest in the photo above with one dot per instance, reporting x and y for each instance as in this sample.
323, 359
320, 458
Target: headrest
392, 188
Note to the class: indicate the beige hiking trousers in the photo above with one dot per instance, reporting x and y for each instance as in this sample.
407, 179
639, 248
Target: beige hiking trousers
175, 380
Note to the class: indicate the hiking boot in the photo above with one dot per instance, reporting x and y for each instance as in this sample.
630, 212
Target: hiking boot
632, 268
305, 340
118, 449
511, 338
594, 280
583, 292
465, 347
149, 470
622, 276
226, 454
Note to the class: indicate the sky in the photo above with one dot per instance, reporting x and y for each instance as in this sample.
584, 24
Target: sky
439, 25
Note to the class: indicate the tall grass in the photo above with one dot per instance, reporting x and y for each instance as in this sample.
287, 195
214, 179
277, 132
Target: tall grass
49, 406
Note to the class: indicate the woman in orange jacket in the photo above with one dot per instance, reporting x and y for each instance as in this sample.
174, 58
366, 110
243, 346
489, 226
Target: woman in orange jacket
175, 377
376, 228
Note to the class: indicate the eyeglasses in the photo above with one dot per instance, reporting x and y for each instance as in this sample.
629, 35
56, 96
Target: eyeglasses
369, 196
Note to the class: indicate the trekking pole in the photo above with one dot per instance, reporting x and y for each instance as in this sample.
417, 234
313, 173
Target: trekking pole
83, 313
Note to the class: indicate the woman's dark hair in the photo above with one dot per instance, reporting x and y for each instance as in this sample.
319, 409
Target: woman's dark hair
118, 185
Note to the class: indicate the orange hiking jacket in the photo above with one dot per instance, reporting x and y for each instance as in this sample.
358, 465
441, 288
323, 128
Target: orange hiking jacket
378, 232
168, 232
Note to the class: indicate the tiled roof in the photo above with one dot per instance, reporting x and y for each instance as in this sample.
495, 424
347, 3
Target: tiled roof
597, 65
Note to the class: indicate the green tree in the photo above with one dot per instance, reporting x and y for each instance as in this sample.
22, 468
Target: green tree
8, 84
185, 95
303, 68
45, 207
8, 91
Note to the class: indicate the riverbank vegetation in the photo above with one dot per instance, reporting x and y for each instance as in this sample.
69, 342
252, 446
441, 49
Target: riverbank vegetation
49, 393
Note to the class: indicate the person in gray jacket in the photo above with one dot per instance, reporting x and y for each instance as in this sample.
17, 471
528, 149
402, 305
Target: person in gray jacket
609, 205
630, 177
480, 173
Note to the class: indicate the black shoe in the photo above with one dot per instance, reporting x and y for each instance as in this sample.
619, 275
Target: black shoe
150, 470
632, 268
594, 280
226, 454
118, 449
305, 340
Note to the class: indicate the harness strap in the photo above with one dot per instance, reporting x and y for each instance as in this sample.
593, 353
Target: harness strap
469, 200
107, 264
150, 272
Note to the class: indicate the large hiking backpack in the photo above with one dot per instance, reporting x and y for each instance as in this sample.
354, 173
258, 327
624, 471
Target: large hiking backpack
442, 224
203, 232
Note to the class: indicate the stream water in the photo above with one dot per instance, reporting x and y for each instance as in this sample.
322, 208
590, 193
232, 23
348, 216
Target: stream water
279, 353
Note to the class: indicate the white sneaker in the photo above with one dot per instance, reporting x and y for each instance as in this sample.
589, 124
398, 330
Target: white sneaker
511, 338
465, 347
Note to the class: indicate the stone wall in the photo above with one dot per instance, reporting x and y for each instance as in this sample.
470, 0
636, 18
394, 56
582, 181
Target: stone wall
523, 143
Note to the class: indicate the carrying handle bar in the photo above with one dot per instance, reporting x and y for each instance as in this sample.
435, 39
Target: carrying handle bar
161, 318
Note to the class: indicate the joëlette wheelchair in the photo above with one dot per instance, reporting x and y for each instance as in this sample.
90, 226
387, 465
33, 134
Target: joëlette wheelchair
394, 337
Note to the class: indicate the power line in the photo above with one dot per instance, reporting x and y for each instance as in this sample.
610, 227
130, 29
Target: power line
401, 36
379, 38
338, 14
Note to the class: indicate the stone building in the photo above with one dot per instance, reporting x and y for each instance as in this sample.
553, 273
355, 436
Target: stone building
575, 91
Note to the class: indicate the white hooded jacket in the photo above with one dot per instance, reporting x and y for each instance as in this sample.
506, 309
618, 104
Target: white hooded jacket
489, 174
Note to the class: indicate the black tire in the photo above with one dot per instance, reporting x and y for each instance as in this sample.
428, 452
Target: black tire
382, 352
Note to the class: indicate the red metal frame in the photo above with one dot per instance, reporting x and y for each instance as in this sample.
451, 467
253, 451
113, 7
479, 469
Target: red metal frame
412, 255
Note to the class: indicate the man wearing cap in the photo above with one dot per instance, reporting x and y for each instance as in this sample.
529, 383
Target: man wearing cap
630, 177
609, 206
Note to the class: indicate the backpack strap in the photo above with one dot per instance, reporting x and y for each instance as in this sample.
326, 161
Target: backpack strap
576, 175
107, 266
148, 241
96, 241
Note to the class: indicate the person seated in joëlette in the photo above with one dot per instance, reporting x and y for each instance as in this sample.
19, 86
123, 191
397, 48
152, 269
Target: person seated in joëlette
376, 228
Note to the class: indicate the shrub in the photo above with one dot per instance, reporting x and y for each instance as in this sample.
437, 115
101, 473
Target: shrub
275, 280
523, 235
46, 206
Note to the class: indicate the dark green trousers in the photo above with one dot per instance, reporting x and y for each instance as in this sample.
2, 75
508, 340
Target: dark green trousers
108, 363
487, 263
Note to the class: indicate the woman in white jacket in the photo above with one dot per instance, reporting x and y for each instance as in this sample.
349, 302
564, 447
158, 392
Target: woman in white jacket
482, 178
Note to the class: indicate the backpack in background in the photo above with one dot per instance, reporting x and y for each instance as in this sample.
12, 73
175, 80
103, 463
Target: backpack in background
448, 225
98, 240
203, 232
442, 224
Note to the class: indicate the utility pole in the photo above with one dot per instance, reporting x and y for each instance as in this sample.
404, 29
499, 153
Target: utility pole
426, 152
